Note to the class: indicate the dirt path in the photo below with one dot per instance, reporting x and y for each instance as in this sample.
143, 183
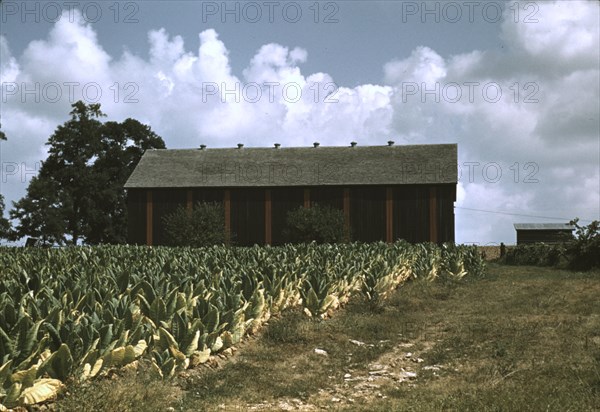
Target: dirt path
404, 365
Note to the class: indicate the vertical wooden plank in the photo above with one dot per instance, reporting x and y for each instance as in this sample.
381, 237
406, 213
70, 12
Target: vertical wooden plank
227, 207
149, 217
307, 197
389, 215
190, 201
433, 232
347, 209
450, 220
268, 216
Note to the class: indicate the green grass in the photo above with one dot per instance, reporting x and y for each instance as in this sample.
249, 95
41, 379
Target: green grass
521, 339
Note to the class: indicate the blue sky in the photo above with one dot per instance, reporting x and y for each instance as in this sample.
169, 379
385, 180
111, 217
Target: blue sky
515, 84
335, 33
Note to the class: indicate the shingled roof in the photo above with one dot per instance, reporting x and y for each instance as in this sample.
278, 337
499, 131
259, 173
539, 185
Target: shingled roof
296, 166
543, 226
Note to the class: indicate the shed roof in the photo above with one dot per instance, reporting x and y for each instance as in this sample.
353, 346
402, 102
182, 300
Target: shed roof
543, 226
296, 166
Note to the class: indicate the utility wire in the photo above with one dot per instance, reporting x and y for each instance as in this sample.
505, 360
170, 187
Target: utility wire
519, 214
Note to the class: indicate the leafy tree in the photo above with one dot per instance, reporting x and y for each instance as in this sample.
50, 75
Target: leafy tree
78, 192
202, 226
121, 147
4, 223
323, 224
584, 250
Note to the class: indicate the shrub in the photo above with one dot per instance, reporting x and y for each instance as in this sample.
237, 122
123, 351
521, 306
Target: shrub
322, 224
579, 253
203, 226
538, 254
584, 250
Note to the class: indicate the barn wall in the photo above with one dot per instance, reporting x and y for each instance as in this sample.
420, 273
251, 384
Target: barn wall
136, 217
327, 196
546, 236
207, 195
412, 208
283, 200
411, 213
248, 216
367, 213
446, 196
164, 202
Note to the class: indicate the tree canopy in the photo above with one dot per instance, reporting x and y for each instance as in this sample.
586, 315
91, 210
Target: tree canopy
78, 193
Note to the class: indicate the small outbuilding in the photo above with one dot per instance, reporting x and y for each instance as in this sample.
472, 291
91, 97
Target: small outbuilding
385, 192
543, 232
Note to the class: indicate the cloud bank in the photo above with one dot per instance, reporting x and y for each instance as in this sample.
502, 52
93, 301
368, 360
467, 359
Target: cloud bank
525, 118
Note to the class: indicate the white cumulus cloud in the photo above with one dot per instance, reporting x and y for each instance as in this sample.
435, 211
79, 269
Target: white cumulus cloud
532, 108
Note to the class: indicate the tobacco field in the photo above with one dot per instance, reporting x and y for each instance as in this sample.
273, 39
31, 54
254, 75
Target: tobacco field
72, 314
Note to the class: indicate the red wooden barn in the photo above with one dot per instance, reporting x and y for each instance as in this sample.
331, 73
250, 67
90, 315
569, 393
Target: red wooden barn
385, 192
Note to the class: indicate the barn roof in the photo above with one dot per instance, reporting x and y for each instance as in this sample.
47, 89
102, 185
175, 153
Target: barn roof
296, 166
543, 226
